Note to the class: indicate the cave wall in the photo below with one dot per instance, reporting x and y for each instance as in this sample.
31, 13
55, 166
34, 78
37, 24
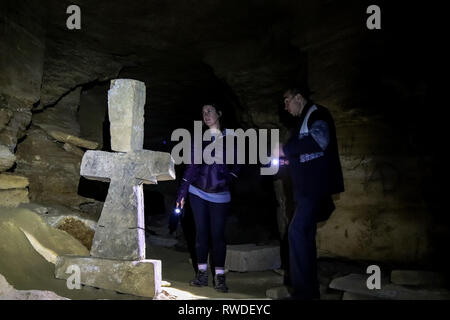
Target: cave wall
52, 165
22, 48
375, 89
21, 63
54, 78
92, 112
43, 72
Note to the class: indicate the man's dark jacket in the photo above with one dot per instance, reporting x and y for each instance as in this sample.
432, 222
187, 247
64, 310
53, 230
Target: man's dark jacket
321, 176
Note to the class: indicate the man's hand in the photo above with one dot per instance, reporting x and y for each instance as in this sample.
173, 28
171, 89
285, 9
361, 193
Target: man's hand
277, 150
281, 152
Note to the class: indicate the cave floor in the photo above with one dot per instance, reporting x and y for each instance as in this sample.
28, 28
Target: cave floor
25, 269
178, 271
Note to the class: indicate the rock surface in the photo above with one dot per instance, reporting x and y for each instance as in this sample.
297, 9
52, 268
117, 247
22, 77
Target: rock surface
78, 224
17, 124
418, 278
74, 149
7, 158
54, 215
7, 292
141, 278
78, 230
54, 173
21, 63
12, 181
278, 293
23, 220
13, 190
5, 116
13, 197
77, 141
27, 269
250, 257
356, 284
61, 118
22, 50
355, 296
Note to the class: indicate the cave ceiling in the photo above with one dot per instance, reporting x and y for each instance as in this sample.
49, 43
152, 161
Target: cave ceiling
242, 53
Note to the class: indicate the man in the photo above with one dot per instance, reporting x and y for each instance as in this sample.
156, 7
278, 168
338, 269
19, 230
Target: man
312, 154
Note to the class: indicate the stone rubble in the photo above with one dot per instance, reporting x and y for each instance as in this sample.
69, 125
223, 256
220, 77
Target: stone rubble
356, 284
7, 292
278, 293
76, 141
250, 257
7, 158
13, 190
74, 149
141, 278
12, 181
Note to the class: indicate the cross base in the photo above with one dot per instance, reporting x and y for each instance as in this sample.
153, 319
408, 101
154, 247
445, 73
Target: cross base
119, 243
140, 278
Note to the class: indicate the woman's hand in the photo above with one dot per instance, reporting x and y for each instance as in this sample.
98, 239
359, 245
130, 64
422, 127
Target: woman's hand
181, 202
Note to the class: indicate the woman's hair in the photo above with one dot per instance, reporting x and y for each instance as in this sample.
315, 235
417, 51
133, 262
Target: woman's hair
214, 105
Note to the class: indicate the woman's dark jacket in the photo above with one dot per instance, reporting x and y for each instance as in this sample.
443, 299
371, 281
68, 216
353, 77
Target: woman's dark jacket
212, 178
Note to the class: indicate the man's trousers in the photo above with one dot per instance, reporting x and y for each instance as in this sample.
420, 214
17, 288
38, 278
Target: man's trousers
302, 249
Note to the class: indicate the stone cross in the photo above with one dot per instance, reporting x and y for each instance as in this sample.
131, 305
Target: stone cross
120, 233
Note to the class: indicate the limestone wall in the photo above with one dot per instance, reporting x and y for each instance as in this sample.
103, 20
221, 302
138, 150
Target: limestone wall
385, 213
382, 215
21, 65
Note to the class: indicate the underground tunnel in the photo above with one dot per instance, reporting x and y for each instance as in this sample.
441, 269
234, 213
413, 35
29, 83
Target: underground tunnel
378, 85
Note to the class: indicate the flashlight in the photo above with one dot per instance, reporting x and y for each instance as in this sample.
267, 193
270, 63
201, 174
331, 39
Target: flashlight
279, 162
174, 219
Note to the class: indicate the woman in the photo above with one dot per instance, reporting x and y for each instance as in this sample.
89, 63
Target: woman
209, 195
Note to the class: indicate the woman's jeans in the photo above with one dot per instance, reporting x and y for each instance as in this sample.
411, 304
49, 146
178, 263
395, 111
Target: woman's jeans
209, 220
